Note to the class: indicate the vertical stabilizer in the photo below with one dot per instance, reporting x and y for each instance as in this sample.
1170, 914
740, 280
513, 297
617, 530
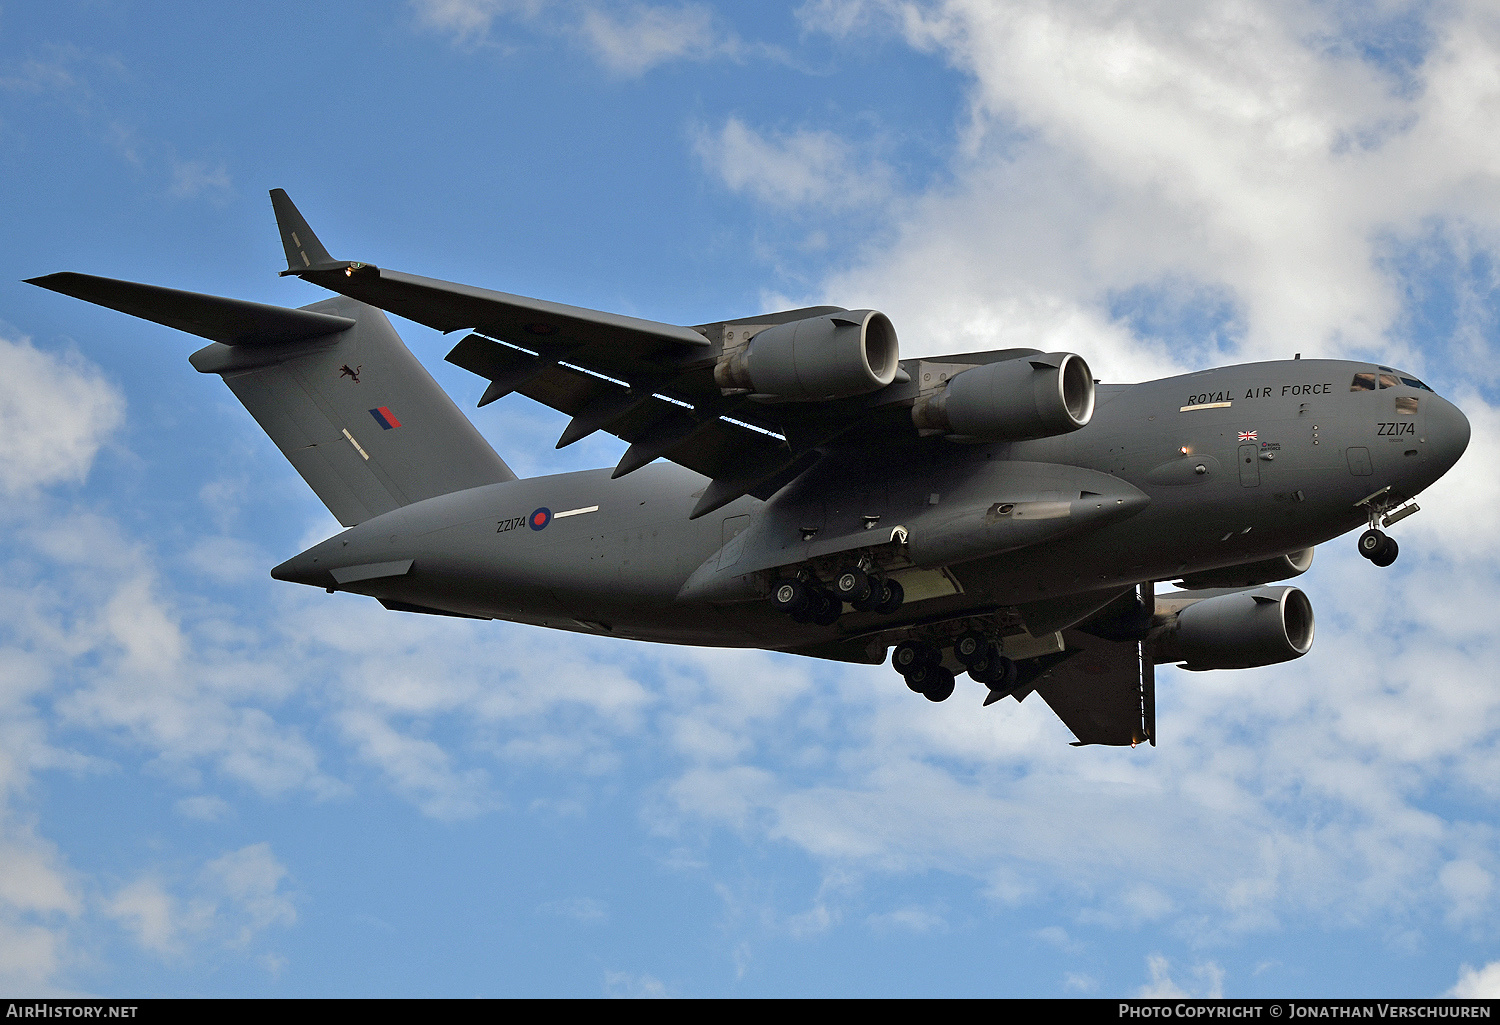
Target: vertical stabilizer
303, 250
362, 421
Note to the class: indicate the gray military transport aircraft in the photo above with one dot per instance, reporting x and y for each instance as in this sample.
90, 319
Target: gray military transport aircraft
999, 514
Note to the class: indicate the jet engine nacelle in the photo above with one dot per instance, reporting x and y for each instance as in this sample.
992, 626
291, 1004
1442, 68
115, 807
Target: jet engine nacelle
1252, 574
833, 356
1031, 397
1239, 630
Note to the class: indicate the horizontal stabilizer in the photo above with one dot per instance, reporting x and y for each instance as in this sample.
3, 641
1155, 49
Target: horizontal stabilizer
230, 321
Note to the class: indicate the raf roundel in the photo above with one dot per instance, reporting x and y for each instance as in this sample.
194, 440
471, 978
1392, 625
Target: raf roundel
540, 518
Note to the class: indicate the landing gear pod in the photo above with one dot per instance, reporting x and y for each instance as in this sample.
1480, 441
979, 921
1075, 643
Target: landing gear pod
1032, 397
835, 356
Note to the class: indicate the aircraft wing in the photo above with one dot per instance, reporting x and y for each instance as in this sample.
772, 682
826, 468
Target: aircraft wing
650, 384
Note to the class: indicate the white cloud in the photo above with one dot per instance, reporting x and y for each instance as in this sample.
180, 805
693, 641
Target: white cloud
251, 878
153, 916
1209, 976
580, 909
912, 918
203, 808
56, 410
1477, 983
643, 36
1164, 150
232, 902
626, 39
795, 169
469, 21
194, 179
632, 985
40, 902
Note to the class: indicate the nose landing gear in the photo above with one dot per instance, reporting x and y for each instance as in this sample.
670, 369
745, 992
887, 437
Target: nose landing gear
1379, 547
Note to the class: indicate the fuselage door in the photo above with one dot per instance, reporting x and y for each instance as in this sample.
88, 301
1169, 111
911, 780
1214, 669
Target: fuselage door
734, 526
1249, 466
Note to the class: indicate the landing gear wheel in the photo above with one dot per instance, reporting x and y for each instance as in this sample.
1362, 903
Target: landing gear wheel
829, 611
1387, 553
790, 596
910, 656
938, 685
1371, 542
997, 672
874, 598
916, 680
891, 598
971, 648
852, 585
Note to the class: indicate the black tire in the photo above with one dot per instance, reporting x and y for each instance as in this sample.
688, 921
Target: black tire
852, 585
910, 656
872, 601
971, 648
1387, 553
939, 684
1371, 542
916, 680
983, 667
891, 598
790, 596
829, 611
1002, 675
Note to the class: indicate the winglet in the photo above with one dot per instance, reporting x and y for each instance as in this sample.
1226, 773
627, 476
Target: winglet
303, 250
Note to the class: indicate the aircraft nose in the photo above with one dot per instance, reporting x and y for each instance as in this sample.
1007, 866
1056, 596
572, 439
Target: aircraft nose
1447, 431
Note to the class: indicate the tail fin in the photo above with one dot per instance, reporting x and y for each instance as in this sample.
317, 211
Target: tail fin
332, 384
303, 250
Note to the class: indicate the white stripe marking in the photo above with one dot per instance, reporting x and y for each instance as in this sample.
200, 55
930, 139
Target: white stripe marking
575, 512
355, 444
594, 373
509, 345
753, 427
1207, 405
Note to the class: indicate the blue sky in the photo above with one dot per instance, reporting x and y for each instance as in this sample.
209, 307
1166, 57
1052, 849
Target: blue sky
212, 783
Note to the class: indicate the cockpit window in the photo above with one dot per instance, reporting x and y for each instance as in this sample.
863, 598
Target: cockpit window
1388, 381
1363, 382
1412, 382
1406, 405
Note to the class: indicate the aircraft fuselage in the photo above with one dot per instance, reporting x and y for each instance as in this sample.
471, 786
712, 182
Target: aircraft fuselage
1190, 473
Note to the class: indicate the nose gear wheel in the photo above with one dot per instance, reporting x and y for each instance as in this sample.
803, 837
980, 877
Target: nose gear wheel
1379, 547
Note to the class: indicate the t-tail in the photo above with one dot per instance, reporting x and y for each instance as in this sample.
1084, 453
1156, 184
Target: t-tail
332, 384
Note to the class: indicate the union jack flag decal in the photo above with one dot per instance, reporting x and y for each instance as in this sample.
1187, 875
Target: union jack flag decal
1247, 435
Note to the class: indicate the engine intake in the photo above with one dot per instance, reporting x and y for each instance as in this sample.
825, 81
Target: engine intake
1031, 397
833, 356
1240, 630
1252, 574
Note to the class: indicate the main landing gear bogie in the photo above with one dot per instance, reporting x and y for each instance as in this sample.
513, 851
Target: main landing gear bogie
807, 600
921, 664
1379, 547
